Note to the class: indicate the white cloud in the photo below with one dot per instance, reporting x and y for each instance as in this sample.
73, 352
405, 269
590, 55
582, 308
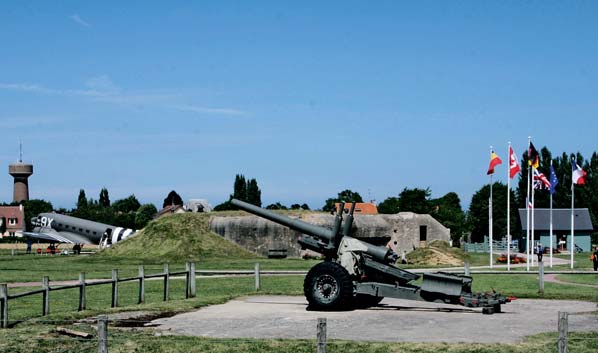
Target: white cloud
202, 110
102, 88
78, 20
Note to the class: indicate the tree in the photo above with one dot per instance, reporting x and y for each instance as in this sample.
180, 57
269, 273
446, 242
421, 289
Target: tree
253, 193
346, 196
389, 206
276, 206
82, 199
414, 200
104, 198
305, 207
126, 205
225, 206
144, 214
33, 208
295, 206
447, 210
240, 188
172, 199
477, 217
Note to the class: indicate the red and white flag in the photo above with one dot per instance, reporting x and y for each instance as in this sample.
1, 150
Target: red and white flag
579, 175
513, 165
540, 180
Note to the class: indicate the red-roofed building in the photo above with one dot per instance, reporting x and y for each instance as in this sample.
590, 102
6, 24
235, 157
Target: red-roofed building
14, 219
360, 208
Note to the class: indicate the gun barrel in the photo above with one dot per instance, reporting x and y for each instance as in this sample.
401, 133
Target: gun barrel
294, 224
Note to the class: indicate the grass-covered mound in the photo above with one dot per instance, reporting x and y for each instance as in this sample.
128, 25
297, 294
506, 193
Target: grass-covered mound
438, 253
178, 237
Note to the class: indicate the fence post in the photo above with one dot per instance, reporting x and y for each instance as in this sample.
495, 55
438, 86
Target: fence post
82, 303
321, 335
102, 334
257, 276
541, 277
563, 331
3, 305
187, 279
166, 282
46, 295
114, 288
192, 288
141, 284
466, 268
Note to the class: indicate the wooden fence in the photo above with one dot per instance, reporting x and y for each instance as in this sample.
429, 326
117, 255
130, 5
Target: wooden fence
190, 289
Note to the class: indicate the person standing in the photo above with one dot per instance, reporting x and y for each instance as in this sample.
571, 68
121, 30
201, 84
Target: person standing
540, 252
595, 258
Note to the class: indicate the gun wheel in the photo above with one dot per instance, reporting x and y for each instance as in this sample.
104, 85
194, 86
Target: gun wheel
328, 287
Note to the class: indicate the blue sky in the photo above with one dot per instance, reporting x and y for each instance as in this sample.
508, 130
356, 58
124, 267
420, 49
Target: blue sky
309, 98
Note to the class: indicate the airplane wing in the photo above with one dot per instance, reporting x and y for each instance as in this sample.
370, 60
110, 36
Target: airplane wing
58, 237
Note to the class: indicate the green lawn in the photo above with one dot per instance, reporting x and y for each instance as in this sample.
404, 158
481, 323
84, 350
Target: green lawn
27, 268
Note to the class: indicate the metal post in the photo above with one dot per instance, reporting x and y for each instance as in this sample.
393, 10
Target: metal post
46, 295
13, 252
114, 288
187, 280
257, 276
103, 334
321, 335
563, 332
466, 268
541, 276
192, 287
3, 305
82, 303
141, 285
166, 282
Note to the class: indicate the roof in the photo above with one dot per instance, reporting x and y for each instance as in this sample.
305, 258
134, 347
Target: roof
360, 207
168, 209
561, 219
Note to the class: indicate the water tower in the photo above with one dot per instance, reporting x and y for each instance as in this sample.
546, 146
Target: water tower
20, 171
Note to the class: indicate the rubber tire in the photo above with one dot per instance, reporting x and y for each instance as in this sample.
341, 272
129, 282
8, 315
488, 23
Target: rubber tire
328, 287
364, 301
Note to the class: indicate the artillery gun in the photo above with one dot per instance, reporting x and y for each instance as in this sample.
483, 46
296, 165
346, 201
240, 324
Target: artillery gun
356, 274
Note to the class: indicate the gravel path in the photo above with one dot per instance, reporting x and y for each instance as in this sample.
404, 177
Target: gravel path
397, 320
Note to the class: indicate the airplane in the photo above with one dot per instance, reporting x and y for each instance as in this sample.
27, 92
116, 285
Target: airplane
60, 228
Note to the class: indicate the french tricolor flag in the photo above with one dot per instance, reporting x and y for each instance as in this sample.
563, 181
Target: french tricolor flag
579, 175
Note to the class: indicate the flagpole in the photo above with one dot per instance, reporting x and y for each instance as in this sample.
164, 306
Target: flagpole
551, 191
490, 214
509, 209
572, 218
529, 142
532, 235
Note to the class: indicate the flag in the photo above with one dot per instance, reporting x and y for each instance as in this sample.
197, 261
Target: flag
533, 156
553, 180
579, 176
494, 161
540, 181
513, 165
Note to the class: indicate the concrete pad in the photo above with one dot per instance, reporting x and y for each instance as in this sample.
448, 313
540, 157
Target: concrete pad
396, 320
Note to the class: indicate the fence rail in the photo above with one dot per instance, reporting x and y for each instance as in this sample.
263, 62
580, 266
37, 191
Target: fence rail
190, 289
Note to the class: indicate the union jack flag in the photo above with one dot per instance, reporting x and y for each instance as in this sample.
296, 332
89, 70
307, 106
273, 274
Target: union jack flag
540, 180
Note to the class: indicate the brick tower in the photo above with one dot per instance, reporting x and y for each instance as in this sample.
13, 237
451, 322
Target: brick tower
20, 171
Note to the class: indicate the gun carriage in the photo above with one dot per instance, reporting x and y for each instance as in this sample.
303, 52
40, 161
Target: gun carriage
356, 274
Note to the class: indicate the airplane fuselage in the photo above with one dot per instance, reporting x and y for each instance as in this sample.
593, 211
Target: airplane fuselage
87, 231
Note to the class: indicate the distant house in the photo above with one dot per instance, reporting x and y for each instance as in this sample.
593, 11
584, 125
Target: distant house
360, 207
198, 205
14, 219
561, 227
170, 209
